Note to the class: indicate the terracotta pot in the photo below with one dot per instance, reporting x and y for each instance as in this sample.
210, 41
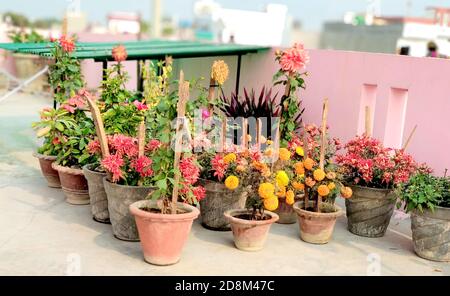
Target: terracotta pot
369, 211
286, 212
120, 197
249, 235
74, 185
431, 234
163, 236
217, 201
45, 162
97, 194
316, 228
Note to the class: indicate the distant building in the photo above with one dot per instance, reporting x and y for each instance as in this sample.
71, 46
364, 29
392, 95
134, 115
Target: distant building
124, 23
76, 21
389, 34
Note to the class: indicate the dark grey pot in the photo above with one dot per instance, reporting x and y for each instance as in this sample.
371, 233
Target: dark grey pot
97, 194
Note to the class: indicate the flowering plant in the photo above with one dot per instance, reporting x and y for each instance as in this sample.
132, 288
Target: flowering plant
368, 163
292, 61
65, 74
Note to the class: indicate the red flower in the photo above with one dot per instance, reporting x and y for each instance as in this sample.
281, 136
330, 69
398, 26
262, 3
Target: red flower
94, 147
113, 164
119, 53
124, 145
56, 141
140, 106
68, 108
219, 166
189, 170
143, 165
67, 43
294, 59
199, 192
152, 145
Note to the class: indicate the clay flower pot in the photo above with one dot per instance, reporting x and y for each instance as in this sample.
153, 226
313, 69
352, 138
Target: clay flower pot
217, 201
249, 235
120, 197
97, 194
369, 211
74, 184
431, 233
316, 228
45, 162
286, 212
163, 236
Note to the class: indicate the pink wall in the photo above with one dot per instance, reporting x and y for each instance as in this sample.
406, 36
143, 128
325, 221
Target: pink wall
402, 92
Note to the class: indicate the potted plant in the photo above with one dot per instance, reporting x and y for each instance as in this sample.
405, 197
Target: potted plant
428, 199
164, 223
52, 123
372, 171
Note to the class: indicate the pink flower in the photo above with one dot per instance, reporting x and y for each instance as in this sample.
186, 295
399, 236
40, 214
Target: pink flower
143, 165
124, 145
140, 106
94, 147
67, 43
294, 59
113, 164
189, 170
205, 113
152, 145
199, 192
68, 108
219, 166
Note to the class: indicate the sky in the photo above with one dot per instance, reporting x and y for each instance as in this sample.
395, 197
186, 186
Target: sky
311, 13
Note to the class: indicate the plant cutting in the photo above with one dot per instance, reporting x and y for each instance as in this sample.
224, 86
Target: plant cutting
427, 198
76, 131
317, 213
292, 61
373, 171
164, 224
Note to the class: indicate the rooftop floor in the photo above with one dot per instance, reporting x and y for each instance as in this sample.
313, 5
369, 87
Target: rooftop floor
40, 234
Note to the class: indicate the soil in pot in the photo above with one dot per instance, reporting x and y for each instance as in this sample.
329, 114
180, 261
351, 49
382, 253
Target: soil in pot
97, 193
217, 201
369, 211
431, 234
74, 184
316, 228
120, 197
52, 176
163, 236
249, 235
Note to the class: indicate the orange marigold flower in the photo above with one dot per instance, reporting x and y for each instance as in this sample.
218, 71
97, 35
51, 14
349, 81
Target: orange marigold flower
309, 163
319, 175
271, 203
323, 190
284, 154
298, 185
310, 182
346, 192
299, 168
281, 192
119, 53
290, 197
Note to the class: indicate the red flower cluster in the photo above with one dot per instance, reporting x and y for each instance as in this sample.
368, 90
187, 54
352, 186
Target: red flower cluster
75, 102
119, 53
368, 163
219, 166
113, 164
143, 165
124, 145
140, 106
67, 43
190, 173
152, 145
94, 147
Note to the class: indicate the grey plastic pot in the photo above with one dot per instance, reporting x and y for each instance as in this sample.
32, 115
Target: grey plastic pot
97, 194
431, 234
369, 210
120, 197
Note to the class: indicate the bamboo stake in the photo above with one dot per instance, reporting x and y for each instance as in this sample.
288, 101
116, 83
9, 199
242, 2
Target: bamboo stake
410, 137
99, 127
141, 142
368, 122
183, 94
305, 155
211, 93
323, 146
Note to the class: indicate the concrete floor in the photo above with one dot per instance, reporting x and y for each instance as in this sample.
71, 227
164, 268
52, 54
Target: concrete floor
40, 234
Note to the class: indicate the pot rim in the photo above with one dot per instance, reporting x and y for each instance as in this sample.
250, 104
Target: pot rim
87, 167
67, 170
384, 190
440, 213
231, 213
105, 180
44, 157
299, 210
192, 213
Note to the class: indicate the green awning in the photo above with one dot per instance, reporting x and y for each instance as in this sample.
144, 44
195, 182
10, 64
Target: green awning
139, 50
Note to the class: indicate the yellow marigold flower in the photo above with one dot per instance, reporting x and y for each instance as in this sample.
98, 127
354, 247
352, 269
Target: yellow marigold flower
319, 175
299, 150
323, 190
284, 154
232, 182
331, 175
331, 186
290, 197
282, 178
310, 182
271, 203
240, 168
298, 185
229, 158
269, 142
281, 192
266, 190
219, 71
309, 163
299, 168
346, 192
